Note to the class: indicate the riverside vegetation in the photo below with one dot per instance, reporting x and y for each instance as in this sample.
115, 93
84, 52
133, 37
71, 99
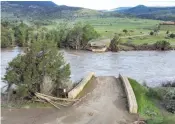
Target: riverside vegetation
155, 105
78, 35
64, 35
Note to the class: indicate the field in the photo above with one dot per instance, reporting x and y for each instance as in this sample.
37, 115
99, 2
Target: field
140, 28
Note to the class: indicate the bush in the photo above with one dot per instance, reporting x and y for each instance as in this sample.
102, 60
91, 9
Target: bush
169, 84
114, 43
165, 94
167, 32
172, 35
169, 100
151, 33
152, 93
162, 45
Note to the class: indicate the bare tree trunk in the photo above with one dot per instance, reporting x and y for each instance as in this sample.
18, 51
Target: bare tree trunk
9, 90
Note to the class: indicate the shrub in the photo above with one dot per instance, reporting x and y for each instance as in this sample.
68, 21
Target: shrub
151, 33
169, 84
169, 100
172, 35
167, 32
152, 93
114, 43
162, 45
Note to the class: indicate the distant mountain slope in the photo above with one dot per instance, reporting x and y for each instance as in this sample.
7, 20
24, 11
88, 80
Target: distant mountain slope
36, 3
41, 10
121, 9
161, 13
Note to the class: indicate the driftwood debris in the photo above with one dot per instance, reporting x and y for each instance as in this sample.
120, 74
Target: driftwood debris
55, 101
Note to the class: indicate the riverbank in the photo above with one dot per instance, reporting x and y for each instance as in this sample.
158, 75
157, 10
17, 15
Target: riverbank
144, 47
150, 108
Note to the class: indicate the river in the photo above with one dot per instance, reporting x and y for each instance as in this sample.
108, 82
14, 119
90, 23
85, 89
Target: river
152, 67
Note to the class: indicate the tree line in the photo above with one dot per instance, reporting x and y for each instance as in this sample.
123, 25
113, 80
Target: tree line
64, 35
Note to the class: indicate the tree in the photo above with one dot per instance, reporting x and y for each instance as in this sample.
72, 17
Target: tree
7, 34
114, 45
21, 34
79, 35
125, 31
89, 33
41, 63
62, 32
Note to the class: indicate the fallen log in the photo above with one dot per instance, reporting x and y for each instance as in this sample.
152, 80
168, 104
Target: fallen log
56, 98
61, 104
47, 99
52, 100
54, 104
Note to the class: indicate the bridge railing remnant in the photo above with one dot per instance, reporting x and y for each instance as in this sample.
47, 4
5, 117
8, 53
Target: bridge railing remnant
75, 91
132, 102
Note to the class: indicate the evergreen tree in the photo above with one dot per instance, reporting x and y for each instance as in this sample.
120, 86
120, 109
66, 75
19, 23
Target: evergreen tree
41, 60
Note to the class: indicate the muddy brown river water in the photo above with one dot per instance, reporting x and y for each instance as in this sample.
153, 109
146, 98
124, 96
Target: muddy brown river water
153, 67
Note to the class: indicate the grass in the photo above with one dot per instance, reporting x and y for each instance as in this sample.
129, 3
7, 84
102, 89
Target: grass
171, 28
148, 108
149, 39
107, 27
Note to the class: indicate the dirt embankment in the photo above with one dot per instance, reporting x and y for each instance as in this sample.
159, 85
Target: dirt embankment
133, 47
104, 103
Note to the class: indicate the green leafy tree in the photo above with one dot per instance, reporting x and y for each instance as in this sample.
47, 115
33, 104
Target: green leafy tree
7, 35
89, 33
79, 36
125, 31
21, 34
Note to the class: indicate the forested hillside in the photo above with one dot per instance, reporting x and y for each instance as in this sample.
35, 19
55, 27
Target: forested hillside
40, 10
160, 13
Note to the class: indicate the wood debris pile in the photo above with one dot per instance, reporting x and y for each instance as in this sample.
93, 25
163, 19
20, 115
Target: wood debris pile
55, 101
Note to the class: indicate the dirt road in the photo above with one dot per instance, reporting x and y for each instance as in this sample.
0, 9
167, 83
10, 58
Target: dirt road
105, 104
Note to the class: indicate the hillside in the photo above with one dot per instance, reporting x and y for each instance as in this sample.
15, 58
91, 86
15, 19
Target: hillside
31, 10
121, 9
160, 13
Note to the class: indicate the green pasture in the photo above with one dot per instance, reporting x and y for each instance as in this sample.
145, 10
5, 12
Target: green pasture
108, 27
